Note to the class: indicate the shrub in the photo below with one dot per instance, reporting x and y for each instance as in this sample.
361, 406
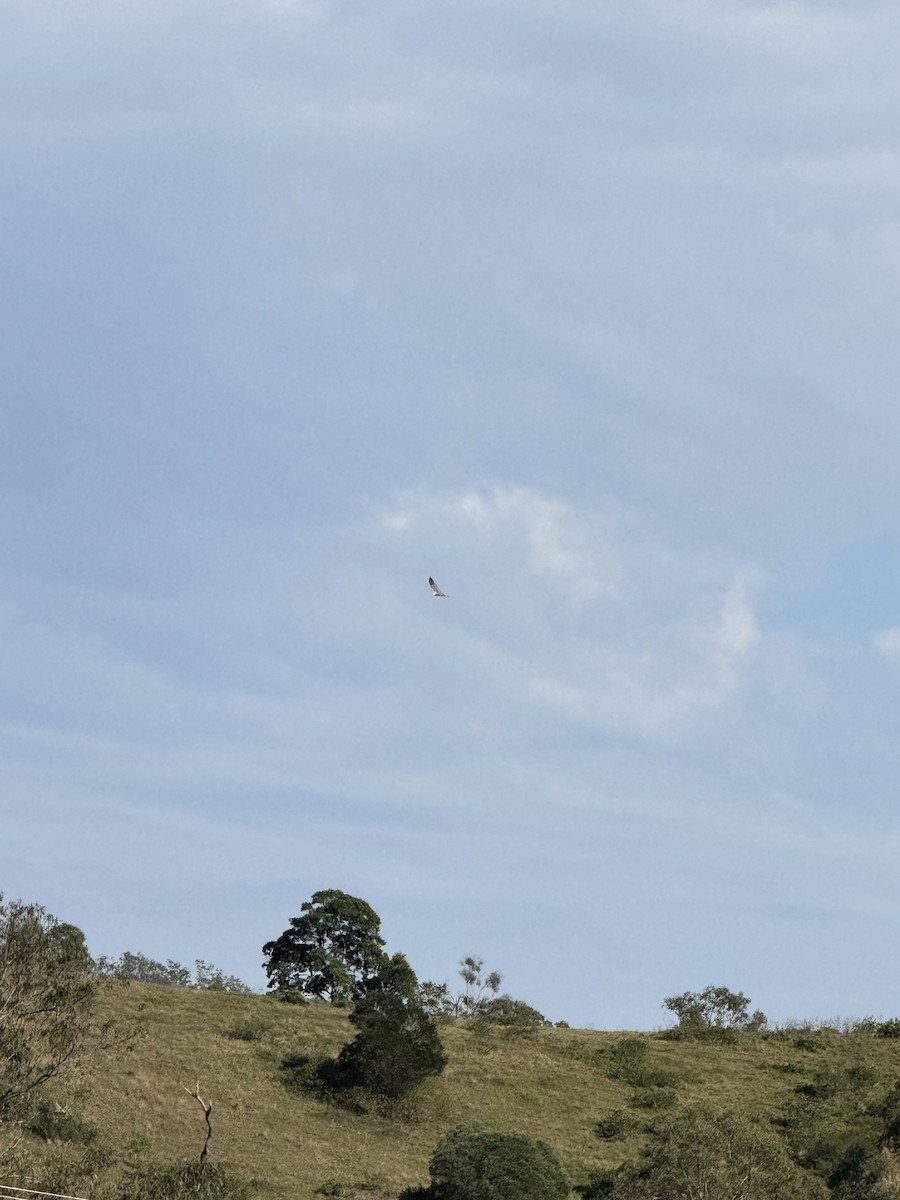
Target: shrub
60, 1172
396, 1049
655, 1098
504, 1010
247, 1030
701, 1152
600, 1185
627, 1058
629, 1061
473, 1162
834, 1081
55, 1123
181, 1181
302, 1073
614, 1126
888, 1112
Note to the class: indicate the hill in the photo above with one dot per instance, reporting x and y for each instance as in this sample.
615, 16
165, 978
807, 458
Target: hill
553, 1083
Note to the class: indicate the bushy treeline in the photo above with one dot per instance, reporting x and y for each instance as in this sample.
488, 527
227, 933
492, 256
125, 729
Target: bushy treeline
138, 968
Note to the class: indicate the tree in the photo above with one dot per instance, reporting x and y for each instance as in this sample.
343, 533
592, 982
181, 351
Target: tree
397, 1045
478, 985
473, 1162
713, 1009
46, 990
435, 998
329, 951
208, 977
138, 968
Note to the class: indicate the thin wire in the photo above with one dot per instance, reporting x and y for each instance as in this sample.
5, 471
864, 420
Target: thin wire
5, 1187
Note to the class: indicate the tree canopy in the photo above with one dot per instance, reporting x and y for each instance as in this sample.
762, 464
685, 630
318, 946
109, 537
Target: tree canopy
329, 951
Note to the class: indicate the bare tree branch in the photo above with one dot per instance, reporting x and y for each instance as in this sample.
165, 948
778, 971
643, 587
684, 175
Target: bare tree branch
207, 1110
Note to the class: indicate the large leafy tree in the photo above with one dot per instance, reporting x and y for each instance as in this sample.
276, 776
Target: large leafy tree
331, 950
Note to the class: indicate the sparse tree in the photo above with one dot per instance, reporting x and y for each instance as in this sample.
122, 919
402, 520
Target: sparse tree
713, 1009
138, 968
478, 986
436, 1000
46, 990
211, 978
329, 951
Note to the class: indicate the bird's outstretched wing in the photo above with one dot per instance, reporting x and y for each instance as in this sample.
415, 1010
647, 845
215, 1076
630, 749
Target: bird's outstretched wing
435, 589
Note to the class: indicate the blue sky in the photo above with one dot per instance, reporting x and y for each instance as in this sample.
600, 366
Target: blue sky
590, 311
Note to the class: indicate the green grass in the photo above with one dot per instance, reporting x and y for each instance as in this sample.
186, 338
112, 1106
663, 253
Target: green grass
555, 1084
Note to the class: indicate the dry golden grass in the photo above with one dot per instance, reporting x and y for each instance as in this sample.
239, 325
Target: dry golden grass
552, 1084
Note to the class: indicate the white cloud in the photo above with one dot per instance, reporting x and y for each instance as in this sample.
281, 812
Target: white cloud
887, 642
584, 613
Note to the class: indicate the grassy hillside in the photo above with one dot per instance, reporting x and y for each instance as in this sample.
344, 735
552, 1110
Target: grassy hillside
552, 1083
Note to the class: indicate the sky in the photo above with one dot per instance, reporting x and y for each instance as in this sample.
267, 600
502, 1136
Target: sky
586, 308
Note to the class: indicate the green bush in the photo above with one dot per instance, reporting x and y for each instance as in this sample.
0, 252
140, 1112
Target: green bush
181, 1181
54, 1123
629, 1060
719, 1156
397, 1048
600, 1185
656, 1098
614, 1126
504, 1010
60, 1172
835, 1081
302, 1072
473, 1162
247, 1030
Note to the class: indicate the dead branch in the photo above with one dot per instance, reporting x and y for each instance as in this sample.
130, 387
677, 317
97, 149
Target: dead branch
207, 1109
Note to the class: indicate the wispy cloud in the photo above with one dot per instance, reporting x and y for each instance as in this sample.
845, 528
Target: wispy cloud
887, 642
585, 613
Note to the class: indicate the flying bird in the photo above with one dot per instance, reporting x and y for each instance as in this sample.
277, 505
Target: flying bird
435, 589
